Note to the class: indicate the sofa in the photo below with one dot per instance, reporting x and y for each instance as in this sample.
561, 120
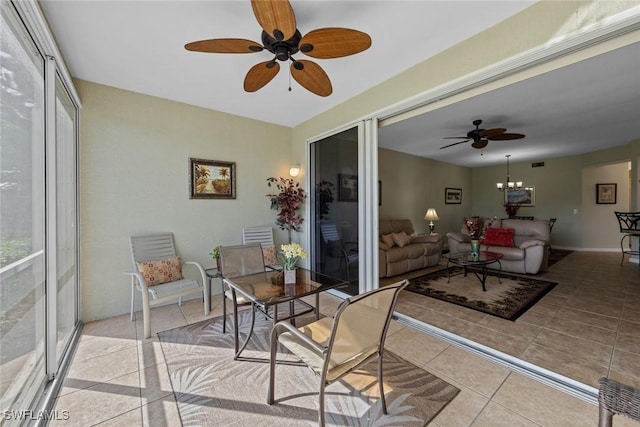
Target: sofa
402, 250
524, 244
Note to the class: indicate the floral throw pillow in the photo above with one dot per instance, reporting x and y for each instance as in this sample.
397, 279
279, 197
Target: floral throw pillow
161, 271
498, 236
270, 255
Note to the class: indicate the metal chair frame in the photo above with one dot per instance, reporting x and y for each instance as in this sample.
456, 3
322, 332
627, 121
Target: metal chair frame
629, 223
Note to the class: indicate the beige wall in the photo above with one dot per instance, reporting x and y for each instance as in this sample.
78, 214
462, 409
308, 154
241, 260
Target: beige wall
412, 184
601, 229
134, 175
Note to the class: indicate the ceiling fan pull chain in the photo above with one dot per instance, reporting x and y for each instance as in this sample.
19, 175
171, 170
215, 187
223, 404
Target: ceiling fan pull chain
290, 62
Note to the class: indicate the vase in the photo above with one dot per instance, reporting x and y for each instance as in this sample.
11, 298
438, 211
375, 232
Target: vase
475, 247
289, 277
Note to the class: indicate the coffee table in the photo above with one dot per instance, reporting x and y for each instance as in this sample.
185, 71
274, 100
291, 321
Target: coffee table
477, 262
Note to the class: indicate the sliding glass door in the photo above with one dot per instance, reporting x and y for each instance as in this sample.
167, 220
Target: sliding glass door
334, 180
344, 205
22, 217
66, 250
39, 284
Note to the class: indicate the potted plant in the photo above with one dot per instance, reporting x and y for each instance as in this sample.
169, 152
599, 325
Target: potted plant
324, 193
289, 256
215, 254
287, 201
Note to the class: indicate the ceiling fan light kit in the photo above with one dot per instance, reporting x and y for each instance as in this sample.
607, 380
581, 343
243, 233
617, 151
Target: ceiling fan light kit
281, 37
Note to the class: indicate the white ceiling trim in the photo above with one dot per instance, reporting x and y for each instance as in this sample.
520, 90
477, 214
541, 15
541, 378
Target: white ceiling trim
613, 28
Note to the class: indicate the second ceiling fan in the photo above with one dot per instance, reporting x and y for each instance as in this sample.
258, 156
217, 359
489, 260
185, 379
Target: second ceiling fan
481, 137
281, 37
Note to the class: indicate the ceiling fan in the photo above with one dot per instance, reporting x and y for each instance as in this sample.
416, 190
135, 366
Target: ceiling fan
481, 137
281, 37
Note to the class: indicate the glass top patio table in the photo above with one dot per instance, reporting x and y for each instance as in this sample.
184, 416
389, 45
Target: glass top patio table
267, 290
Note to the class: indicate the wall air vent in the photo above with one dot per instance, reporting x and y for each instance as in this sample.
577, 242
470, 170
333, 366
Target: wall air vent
537, 164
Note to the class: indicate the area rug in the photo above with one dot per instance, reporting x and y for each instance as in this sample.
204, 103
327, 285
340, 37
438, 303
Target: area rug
212, 389
508, 300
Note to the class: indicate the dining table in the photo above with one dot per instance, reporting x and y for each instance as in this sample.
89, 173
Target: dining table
268, 292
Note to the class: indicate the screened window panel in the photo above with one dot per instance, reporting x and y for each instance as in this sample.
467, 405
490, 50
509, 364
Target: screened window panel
22, 216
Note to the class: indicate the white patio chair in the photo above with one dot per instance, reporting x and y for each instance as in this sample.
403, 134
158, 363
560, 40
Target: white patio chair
157, 274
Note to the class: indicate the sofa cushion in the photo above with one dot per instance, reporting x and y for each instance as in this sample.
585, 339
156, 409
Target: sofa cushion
498, 237
401, 239
388, 226
397, 254
387, 239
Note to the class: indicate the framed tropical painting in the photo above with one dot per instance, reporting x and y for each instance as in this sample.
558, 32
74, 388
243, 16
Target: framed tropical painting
212, 179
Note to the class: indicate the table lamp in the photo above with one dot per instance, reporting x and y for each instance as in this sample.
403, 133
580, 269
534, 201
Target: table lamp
431, 216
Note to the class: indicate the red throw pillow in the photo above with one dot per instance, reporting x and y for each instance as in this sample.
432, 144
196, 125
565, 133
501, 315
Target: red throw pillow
498, 236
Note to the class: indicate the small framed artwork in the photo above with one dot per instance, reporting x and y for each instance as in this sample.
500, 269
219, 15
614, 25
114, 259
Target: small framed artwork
347, 188
212, 179
525, 196
453, 196
606, 194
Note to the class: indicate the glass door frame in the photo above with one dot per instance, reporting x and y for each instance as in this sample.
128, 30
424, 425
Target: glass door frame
367, 200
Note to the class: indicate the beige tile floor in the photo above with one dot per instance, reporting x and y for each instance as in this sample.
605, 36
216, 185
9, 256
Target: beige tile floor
118, 378
587, 327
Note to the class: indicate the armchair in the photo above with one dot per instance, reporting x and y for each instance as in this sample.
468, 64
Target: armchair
333, 347
157, 273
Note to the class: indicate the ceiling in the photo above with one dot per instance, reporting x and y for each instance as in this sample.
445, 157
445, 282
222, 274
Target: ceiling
583, 107
139, 46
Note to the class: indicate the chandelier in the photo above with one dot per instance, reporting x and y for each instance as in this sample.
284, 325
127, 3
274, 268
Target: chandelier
509, 184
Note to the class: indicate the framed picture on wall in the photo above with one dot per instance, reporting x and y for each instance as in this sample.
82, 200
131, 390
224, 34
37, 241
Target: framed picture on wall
525, 196
347, 188
453, 196
212, 179
606, 194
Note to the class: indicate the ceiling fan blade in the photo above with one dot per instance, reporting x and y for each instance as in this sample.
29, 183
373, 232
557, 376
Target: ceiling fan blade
455, 143
224, 46
260, 74
485, 133
276, 18
326, 43
481, 143
506, 136
312, 77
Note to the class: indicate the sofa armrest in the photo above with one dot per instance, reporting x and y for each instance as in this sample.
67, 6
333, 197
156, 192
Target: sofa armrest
459, 237
426, 238
531, 243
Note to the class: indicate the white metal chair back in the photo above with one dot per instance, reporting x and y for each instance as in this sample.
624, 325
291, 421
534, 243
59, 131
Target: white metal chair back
261, 235
151, 247
329, 232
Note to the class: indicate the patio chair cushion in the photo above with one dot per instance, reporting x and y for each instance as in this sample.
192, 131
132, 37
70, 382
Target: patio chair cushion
270, 255
161, 271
